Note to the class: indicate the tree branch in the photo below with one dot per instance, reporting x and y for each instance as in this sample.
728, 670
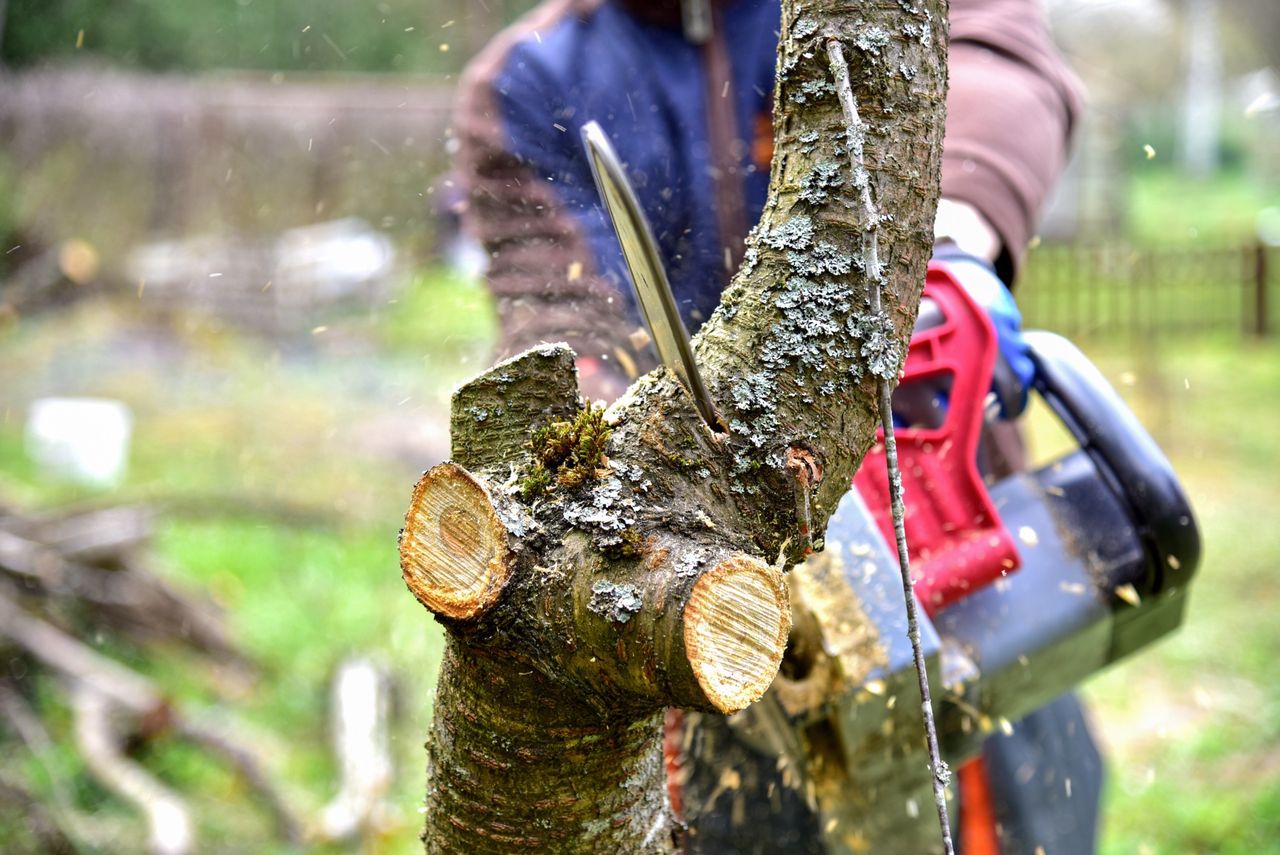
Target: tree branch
168, 818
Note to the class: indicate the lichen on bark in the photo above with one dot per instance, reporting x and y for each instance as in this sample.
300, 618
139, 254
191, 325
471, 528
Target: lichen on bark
801, 354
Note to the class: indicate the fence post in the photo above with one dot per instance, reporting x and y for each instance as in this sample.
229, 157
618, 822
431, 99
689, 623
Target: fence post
1259, 327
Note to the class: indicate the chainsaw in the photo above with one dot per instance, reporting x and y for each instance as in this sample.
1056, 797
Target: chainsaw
1028, 584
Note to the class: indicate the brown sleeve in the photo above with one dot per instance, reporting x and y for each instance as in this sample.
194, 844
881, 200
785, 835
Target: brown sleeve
1011, 109
541, 270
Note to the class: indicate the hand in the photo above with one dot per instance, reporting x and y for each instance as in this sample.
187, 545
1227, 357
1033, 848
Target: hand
1014, 370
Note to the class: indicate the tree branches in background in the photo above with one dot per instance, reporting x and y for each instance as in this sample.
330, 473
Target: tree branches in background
75, 587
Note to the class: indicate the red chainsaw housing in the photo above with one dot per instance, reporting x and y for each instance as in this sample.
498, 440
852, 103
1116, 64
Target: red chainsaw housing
957, 540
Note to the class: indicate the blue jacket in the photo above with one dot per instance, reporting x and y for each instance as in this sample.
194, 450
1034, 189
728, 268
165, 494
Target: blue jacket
700, 168
691, 122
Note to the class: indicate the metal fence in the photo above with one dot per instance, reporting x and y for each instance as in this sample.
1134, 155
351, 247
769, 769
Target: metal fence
1115, 290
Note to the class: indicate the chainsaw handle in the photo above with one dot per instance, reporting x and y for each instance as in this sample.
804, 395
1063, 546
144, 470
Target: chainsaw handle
1124, 452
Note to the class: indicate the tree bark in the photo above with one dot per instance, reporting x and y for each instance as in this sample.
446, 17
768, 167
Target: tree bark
593, 569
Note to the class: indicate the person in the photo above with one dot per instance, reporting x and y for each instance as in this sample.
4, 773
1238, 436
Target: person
684, 89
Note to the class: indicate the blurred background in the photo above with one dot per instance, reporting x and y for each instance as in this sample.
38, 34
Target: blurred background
233, 305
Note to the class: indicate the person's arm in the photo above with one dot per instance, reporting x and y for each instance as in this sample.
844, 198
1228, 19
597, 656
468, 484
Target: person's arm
530, 202
1012, 104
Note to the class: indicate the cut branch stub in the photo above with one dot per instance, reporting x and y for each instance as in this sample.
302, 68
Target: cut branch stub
716, 636
455, 552
661, 633
736, 625
494, 414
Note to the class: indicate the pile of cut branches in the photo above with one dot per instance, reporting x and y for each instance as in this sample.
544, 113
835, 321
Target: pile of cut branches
70, 584
89, 574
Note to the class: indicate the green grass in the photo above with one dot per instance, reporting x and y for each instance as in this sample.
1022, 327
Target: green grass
1169, 209
1193, 726
300, 600
281, 507
439, 310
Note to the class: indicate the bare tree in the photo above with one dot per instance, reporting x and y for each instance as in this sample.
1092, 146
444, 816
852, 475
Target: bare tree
591, 567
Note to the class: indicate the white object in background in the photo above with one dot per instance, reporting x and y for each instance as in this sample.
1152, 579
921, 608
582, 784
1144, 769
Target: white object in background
83, 439
361, 718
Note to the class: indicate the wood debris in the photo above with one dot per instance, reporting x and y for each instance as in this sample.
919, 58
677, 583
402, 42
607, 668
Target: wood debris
68, 582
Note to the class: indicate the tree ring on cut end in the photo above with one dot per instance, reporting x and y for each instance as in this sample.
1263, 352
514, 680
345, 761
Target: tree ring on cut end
460, 530
453, 550
736, 624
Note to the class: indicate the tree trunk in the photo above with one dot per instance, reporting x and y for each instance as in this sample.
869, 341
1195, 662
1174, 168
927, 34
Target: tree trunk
593, 568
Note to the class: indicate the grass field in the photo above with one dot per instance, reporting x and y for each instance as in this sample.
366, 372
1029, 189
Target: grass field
1171, 210
285, 472
1193, 726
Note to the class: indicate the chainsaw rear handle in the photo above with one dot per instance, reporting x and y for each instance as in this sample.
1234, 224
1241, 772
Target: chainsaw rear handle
1124, 453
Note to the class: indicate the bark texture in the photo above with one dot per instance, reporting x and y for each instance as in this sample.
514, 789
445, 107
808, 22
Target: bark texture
592, 570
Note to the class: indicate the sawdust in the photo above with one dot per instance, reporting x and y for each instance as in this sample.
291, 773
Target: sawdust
834, 646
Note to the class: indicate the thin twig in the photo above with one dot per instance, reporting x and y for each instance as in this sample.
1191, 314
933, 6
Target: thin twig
102, 534
941, 772
127, 595
68, 656
856, 136
856, 133
169, 820
213, 739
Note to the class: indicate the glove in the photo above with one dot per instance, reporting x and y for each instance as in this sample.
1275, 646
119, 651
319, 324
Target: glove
1014, 370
